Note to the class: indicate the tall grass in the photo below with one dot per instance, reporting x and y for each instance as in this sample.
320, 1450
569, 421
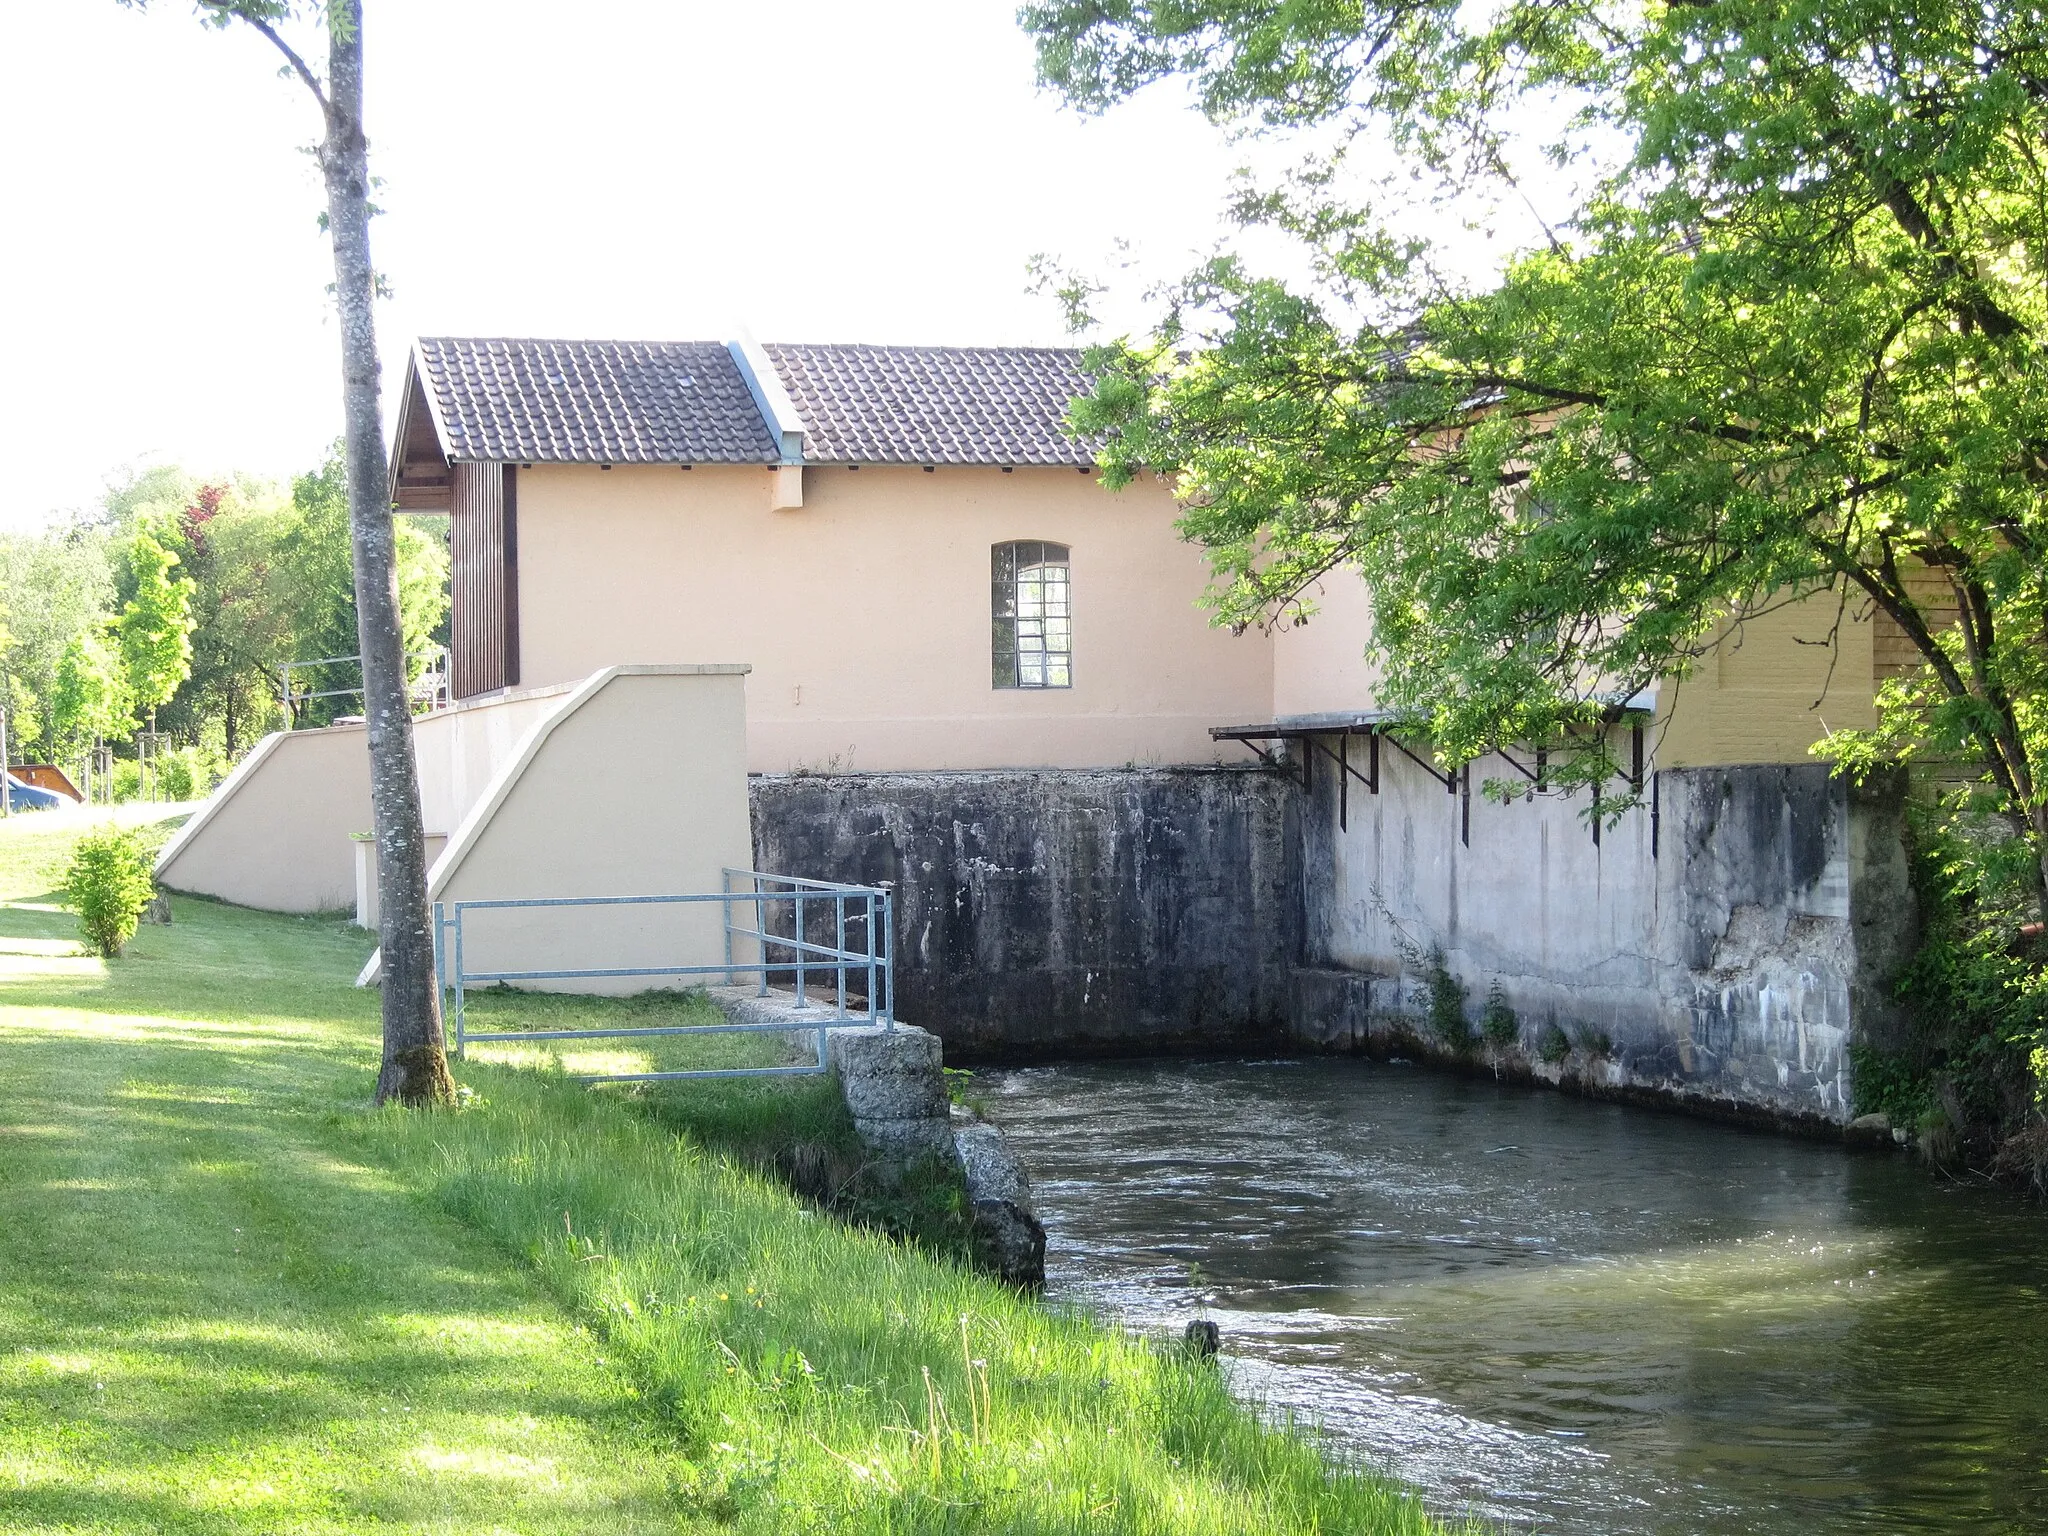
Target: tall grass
797, 1129
826, 1378
235, 1298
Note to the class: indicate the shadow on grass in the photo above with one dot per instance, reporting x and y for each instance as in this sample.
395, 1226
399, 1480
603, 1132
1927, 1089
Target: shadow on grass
210, 1320
213, 964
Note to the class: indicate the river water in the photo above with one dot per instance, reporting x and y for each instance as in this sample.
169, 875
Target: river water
1561, 1315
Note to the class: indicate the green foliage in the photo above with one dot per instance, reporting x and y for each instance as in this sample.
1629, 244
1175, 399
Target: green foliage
1553, 1045
1446, 1001
88, 697
127, 780
209, 588
1976, 992
316, 584
1592, 1041
155, 627
1890, 1083
54, 588
1497, 1021
188, 773
1786, 342
108, 884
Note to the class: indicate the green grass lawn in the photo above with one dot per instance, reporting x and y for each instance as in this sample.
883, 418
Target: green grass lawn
235, 1298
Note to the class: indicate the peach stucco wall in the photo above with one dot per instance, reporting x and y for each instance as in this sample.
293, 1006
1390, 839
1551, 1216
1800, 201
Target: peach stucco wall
1319, 668
865, 612
636, 785
275, 834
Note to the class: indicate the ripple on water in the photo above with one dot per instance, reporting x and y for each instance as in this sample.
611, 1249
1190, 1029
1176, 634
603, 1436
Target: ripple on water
1563, 1315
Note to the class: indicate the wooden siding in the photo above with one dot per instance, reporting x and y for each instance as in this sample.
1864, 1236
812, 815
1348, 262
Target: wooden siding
1893, 652
483, 620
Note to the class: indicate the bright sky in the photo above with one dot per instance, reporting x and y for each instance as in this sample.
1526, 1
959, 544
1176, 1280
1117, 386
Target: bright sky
813, 170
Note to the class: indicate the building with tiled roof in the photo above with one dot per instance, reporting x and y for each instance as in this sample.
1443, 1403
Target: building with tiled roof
909, 546
513, 400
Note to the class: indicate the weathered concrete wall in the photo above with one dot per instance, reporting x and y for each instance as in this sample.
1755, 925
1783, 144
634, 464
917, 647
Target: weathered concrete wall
1723, 947
1064, 913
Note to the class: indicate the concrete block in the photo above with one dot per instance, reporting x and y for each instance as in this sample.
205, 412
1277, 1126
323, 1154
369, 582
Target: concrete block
1008, 1233
890, 1074
992, 1171
905, 1141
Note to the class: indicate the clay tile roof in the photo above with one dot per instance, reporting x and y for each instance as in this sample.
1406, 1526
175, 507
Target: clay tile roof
935, 405
593, 402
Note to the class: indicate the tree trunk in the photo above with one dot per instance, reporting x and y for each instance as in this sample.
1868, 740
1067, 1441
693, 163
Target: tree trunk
415, 1069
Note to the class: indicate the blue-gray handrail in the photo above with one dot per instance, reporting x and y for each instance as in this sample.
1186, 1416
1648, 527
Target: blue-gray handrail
870, 908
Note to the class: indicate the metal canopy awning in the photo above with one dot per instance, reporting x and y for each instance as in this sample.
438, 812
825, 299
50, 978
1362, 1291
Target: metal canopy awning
1377, 725
1310, 731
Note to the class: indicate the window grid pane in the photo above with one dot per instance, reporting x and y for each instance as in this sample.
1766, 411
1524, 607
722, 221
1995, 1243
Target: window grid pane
1031, 606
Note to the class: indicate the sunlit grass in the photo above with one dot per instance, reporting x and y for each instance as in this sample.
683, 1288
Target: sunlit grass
215, 1314
234, 1298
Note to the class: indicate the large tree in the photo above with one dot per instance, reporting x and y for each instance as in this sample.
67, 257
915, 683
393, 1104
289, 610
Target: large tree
415, 1065
1786, 341
54, 588
155, 626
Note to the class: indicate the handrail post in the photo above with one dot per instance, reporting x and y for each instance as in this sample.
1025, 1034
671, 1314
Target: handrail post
874, 1001
460, 1020
839, 958
889, 952
802, 968
761, 932
725, 918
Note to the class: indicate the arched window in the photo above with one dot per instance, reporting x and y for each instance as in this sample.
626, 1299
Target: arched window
1033, 609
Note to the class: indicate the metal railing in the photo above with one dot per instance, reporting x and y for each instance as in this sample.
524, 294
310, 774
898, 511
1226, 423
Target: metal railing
428, 690
868, 955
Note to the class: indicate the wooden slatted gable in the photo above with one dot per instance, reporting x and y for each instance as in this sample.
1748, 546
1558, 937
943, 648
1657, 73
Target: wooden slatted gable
483, 623
421, 477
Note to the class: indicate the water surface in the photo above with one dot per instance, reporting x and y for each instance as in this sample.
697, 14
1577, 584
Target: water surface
1567, 1316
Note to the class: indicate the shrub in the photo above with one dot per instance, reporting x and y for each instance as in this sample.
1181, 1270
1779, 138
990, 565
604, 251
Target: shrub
1889, 1083
1446, 1001
1967, 1076
127, 779
1553, 1045
187, 774
1594, 1042
1497, 1020
108, 885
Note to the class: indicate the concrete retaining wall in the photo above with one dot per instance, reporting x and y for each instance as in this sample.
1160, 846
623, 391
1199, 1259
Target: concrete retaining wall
1064, 913
634, 786
1721, 946
1724, 944
278, 832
